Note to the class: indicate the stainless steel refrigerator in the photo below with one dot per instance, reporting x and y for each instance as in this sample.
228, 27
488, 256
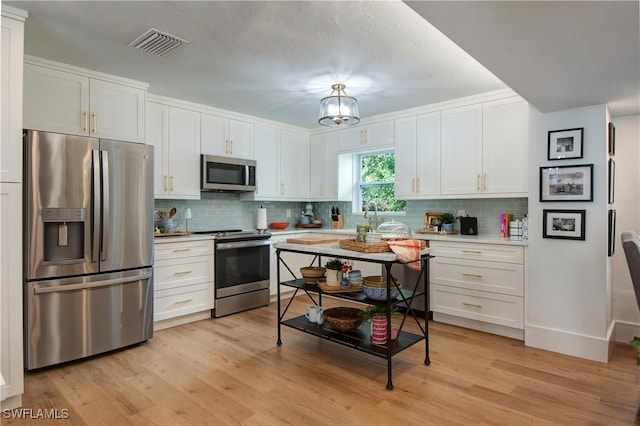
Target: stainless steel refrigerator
88, 246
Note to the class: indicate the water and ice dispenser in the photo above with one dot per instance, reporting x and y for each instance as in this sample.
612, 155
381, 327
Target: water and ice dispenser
64, 230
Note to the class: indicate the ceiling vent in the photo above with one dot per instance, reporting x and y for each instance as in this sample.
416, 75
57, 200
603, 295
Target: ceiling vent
157, 42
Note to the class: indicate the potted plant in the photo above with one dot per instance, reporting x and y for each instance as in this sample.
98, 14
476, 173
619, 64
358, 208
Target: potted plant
334, 272
447, 220
378, 317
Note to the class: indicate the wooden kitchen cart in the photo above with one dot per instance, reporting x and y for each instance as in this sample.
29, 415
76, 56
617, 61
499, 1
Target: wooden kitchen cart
360, 338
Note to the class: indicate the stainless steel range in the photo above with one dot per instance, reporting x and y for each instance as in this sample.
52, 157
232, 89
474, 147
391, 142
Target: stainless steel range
241, 261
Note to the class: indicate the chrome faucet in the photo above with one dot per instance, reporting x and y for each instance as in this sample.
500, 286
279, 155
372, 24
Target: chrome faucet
375, 220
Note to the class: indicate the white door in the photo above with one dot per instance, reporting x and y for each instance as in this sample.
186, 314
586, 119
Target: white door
184, 153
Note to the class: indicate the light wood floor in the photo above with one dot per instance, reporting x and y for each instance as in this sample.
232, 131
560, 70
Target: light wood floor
229, 371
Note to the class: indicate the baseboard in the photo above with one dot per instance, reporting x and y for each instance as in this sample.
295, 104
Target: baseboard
500, 330
183, 319
11, 402
561, 341
626, 331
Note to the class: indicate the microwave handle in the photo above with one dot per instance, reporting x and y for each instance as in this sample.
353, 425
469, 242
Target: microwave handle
246, 174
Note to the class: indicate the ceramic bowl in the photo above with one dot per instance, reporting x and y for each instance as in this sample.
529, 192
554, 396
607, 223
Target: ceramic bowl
379, 293
278, 225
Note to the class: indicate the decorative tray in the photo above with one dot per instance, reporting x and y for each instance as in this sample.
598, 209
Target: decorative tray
342, 289
380, 247
422, 231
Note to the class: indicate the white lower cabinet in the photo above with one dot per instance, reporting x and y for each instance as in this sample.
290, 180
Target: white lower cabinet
479, 286
183, 281
294, 261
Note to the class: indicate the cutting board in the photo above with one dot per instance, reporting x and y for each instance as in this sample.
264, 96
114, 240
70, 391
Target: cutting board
311, 240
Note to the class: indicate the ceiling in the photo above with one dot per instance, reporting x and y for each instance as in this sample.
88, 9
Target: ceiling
276, 60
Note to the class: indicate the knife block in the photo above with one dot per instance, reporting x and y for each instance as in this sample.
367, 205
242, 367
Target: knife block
337, 224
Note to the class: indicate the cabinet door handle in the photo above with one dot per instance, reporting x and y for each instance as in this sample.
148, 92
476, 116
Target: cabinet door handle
171, 178
182, 249
484, 186
182, 272
478, 182
85, 117
282, 189
471, 275
321, 189
413, 185
166, 183
472, 305
230, 146
181, 302
95, 122
417, 185
472, 251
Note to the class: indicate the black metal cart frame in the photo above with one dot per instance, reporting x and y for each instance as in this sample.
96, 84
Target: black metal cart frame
360, 338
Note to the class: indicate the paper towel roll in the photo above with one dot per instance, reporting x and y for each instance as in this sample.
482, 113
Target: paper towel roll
262, 218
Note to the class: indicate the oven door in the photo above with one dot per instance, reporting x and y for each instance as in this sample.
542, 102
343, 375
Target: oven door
241, 266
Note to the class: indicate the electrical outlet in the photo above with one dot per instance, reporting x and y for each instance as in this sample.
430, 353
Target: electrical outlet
462, 213
288, 213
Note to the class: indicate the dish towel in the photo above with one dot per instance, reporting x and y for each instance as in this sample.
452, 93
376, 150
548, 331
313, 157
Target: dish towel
407, 251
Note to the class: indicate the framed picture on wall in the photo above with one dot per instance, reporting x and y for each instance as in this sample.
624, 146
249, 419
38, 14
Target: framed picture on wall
612, 139
563, 224
566, 183
612, 232
565, 144
612, 180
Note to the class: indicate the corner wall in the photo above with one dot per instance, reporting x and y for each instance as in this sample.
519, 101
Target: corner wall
568, 293
627, 205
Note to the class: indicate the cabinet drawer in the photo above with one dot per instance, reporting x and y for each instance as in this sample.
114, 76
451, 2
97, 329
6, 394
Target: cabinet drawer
476, 305
182, 272
478, 251
164, 251
183, 303
496, 277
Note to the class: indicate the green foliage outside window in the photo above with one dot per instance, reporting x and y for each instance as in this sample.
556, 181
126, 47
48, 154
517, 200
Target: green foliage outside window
377, 176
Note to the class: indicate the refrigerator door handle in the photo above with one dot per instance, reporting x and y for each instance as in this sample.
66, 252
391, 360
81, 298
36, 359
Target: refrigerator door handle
81, 286
106, 213
96, 206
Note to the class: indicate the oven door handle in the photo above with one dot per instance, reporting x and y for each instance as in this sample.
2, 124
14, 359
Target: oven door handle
242, 244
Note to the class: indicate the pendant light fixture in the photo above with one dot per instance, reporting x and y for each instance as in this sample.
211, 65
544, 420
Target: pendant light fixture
338, 109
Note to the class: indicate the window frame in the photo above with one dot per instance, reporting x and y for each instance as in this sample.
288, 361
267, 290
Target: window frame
359, 184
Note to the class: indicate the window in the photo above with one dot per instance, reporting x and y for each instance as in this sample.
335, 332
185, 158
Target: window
376, 182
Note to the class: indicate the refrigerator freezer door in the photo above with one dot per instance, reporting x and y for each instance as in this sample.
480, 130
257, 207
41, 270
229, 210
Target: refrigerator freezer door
72, 318
127, 219
60, 222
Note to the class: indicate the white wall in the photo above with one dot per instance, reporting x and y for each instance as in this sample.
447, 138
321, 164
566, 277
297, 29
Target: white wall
567, 295
627, 205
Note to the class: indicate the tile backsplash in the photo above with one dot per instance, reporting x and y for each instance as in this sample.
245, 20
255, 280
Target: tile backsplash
226, 211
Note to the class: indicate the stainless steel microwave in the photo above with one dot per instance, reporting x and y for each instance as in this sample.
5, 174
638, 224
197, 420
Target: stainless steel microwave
226, 174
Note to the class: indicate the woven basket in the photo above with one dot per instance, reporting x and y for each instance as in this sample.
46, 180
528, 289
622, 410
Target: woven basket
381, 247
343, 318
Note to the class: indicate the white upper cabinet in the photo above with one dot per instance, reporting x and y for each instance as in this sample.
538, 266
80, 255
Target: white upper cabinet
227, 137
461, 150
268, 157
505, 147
71, 101
484, 148
417, 152
282, 156
11, 93
175, 134
294, 164
367, 137
323, 166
